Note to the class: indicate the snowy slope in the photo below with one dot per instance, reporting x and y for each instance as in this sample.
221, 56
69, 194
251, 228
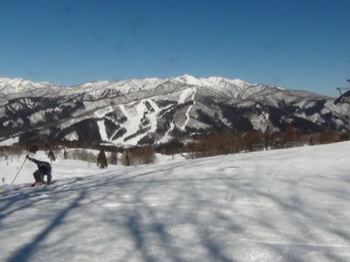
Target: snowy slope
282, 205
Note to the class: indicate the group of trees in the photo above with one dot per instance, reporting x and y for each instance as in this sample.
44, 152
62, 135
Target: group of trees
130, 156
138, 156
225, 141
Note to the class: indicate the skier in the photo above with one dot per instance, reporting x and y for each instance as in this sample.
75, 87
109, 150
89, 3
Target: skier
44, 168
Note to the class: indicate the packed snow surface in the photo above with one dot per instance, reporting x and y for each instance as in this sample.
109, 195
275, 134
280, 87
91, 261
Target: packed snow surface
280, 205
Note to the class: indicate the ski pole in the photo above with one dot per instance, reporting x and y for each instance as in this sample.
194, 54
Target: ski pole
18, 171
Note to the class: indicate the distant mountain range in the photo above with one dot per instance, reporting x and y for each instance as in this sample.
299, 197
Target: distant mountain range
153, 110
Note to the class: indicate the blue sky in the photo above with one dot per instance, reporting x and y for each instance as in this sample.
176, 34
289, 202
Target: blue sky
299, 44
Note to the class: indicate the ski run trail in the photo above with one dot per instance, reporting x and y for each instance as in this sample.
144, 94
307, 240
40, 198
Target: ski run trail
278, 205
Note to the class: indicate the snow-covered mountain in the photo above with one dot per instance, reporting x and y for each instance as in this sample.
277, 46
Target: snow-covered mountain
131, 112
18, 85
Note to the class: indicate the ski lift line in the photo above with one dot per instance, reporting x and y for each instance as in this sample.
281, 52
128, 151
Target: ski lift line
342, 89
344, 95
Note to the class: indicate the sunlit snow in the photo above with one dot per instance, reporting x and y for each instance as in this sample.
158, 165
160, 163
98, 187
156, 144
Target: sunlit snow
280, 205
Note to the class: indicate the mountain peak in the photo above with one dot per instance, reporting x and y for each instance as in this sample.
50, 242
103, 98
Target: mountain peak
218, 79
19, 85
188, 79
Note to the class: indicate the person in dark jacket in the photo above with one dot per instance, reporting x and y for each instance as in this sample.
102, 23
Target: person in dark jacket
44, 169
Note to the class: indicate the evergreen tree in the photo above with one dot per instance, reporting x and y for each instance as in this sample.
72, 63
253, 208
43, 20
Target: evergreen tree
126, 158
114, 157
311, 141
51, 155
102, 159
65, 155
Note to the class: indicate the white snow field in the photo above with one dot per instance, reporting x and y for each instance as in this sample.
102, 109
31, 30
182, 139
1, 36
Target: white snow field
280, 205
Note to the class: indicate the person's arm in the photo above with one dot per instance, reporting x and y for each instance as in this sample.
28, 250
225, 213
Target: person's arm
33, 160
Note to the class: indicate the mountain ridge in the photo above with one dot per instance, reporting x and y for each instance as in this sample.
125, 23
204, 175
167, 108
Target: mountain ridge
152, 110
